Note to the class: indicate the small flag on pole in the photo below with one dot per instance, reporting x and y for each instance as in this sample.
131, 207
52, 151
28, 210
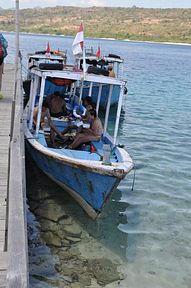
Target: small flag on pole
77, 46
48, 50
98, 53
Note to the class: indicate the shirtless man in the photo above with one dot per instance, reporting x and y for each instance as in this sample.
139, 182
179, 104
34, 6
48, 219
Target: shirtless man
46, 113
57, 105
111, 72
88, 134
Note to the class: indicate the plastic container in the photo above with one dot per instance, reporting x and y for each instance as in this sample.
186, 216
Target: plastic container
106, 154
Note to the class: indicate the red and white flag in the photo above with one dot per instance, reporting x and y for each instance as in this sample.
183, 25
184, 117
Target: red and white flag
98, 53
48, 50
77, 46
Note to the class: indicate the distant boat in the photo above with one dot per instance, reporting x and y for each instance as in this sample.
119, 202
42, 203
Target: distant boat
90, 177
95, 66
99, 66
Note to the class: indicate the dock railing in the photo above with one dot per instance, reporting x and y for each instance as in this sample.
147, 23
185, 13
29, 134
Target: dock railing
17, 244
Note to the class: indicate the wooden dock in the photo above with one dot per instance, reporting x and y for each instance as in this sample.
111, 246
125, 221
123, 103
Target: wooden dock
5, 122
13, 224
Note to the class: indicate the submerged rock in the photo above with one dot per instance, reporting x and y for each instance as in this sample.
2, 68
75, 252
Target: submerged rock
41, 195
65, 243
103, 270
68, 255
67, 220
34, 205
73, 230
48, 225
51, 211
51, 239
73, 239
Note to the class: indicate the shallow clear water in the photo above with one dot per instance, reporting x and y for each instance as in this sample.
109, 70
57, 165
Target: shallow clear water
156, 130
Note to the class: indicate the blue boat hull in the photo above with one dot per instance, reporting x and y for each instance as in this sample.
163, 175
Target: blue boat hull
89, 187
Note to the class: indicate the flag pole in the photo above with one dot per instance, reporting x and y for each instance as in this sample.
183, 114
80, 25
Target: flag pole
84, 57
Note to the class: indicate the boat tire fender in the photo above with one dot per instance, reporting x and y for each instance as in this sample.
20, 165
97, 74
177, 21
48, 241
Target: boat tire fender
82, 109
51, 66
114, 56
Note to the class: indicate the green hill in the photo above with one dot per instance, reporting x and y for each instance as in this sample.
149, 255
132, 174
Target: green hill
168, 25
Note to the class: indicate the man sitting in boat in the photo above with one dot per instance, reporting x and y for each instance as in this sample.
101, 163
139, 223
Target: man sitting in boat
111, 72
88, 134
46, 120
57, 105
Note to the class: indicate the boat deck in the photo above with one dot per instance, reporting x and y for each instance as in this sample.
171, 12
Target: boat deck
80, 154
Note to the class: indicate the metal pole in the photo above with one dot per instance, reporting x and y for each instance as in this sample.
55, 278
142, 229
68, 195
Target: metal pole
81, 90
84, 58
107, 109
99, 98
90, 89
118, 114
40, 104
33, 92
17, 36
16, 64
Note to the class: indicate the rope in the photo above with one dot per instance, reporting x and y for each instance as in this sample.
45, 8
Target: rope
133, 184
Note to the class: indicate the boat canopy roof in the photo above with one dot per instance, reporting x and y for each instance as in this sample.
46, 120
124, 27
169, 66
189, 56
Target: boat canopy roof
108, 59
73, 75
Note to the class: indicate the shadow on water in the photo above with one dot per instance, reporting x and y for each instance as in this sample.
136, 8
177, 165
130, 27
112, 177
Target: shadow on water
51, 210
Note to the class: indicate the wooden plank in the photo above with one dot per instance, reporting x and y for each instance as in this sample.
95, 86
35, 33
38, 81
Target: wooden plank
17, 265
3, 261
3, 196
2, 225
5, 120
3, 181
3, 279
3, 190
3, 212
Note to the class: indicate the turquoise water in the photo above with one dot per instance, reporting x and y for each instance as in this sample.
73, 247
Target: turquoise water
155, 128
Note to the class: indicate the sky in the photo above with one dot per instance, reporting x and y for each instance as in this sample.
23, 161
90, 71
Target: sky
85, 3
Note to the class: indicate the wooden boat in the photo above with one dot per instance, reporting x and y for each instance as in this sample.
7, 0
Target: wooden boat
89, 177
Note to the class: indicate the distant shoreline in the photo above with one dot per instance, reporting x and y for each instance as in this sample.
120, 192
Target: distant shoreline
103, 38
109, 23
